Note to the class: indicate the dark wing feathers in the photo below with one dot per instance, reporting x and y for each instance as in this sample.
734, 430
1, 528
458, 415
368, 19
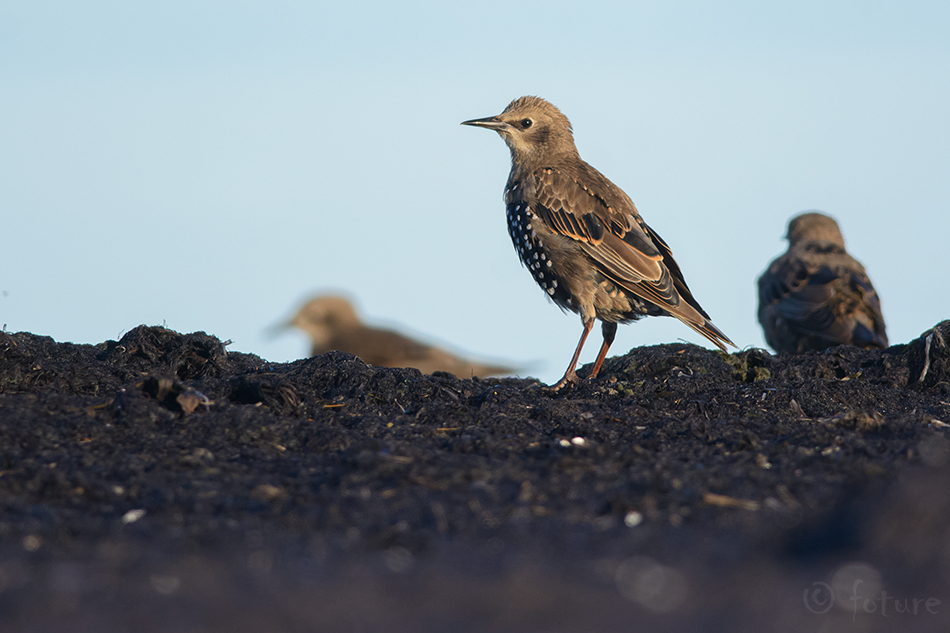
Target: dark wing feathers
557, 203
814, 297
622, 247
679, 281
658, 289
573, 210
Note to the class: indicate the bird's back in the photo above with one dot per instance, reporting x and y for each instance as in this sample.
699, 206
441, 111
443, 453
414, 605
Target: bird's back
817, 296
386, 348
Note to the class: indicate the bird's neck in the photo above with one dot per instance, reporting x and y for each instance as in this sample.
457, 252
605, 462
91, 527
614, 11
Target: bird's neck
528, 159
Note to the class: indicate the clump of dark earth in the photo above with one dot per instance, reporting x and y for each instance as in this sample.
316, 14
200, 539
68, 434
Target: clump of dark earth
161, 483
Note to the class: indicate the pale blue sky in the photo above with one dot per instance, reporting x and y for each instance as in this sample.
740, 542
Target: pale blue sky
209, 165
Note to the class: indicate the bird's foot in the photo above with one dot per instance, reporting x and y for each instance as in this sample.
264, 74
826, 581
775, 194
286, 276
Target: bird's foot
570, 378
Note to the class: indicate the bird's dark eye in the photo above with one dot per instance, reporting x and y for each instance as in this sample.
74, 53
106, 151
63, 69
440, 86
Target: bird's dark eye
525, 123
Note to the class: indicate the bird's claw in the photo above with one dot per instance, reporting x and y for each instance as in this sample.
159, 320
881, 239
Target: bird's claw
570, 378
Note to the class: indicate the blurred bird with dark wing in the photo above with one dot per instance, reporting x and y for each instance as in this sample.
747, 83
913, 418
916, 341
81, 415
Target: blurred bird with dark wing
331, 323
581, 236
816, 295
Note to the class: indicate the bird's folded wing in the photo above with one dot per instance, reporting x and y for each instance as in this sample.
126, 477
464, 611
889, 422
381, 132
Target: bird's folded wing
869, 329
802, 295
615, 239
380, 347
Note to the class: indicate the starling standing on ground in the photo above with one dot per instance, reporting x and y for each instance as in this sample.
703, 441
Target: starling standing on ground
817, 296
332, 324
581, 236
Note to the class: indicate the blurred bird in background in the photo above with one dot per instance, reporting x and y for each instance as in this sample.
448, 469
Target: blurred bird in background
331, 323
816, 295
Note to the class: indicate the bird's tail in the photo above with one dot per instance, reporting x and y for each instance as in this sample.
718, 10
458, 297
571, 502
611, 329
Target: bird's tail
707, 329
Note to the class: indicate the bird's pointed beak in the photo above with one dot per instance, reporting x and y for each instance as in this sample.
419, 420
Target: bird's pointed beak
277, 329
491, 123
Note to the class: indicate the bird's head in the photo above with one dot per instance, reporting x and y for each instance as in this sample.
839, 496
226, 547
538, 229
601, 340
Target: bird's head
324, 317
814, 227
536, 131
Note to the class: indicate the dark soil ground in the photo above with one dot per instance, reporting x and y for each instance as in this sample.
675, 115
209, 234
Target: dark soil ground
159, 483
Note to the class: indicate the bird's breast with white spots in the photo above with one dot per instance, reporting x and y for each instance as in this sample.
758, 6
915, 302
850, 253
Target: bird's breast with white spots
531, 252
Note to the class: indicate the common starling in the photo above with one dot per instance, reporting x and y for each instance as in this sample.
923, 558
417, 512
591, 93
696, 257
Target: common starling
581, 236
816, 296
332, 324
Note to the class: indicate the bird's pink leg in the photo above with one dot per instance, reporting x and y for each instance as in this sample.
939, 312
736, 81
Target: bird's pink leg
570, 376
610, 330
